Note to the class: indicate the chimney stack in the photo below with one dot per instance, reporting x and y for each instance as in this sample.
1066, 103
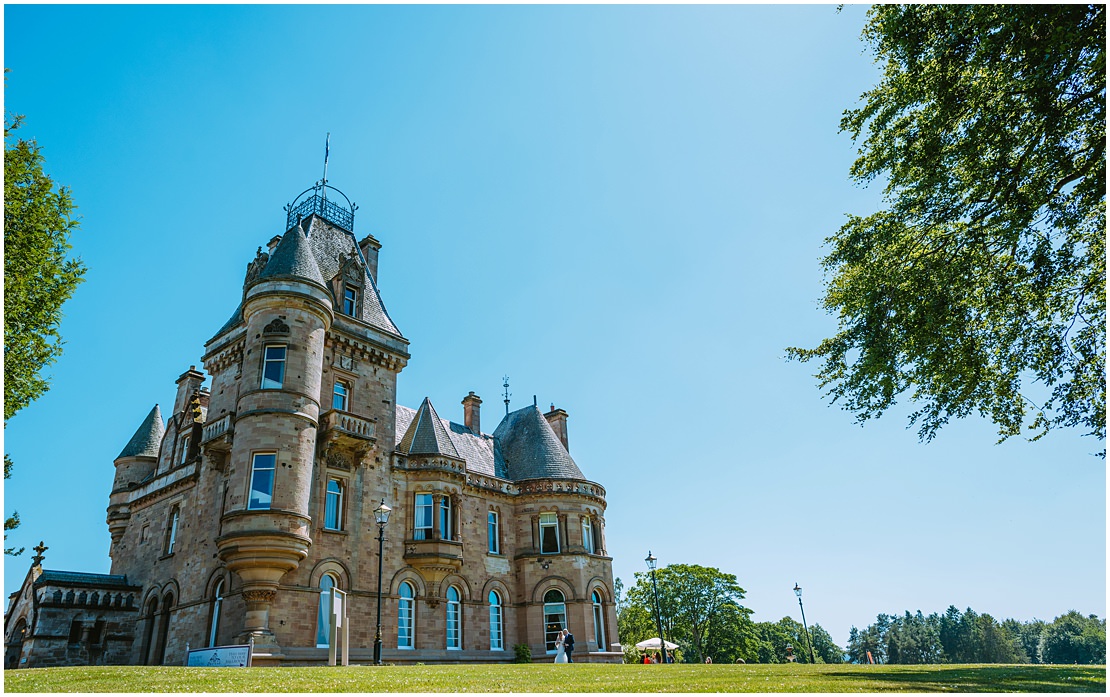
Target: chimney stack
189, 382
557, 418
370, 247
472, 405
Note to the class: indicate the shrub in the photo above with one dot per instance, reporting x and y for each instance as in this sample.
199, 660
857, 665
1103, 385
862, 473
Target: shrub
523, 653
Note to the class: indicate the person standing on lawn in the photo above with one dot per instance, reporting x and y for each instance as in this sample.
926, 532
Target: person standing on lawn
568, 644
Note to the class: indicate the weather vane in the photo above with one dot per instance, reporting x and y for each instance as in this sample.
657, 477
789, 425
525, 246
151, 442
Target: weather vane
507, 394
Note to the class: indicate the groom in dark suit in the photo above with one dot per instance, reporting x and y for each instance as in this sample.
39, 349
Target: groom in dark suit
568, 646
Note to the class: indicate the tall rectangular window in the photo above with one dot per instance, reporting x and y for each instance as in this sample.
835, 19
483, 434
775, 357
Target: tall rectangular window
588, 535
350, 301
549, 533
262, 480
333, 505
339, 396
422, 530
445, 517
494, 533
273, 367
171, 530
184, 451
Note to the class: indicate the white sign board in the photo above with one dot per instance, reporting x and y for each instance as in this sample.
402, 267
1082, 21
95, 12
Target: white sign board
220, 657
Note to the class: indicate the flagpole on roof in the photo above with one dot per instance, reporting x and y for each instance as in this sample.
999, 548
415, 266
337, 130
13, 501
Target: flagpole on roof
324, 181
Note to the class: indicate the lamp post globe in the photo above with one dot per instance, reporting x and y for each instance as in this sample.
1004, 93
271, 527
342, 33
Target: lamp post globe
651, 562
798, 592
381, 517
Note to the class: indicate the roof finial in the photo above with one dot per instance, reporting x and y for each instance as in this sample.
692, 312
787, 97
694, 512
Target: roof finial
40, 548
507, 394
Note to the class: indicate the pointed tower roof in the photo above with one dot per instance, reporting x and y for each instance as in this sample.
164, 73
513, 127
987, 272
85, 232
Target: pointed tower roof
293, 259
529, 449
148, 438
426, 434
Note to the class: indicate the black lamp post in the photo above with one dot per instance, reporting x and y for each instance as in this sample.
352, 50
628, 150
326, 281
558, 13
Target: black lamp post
798, 592
651, 561
381, 516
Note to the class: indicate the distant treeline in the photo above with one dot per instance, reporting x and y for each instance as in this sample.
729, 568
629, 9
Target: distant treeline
968, 637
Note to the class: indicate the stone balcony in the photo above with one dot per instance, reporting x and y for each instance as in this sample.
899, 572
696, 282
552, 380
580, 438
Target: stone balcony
345, 428
216, 435
435, 559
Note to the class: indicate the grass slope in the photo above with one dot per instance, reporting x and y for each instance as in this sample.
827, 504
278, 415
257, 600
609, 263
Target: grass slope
566, 678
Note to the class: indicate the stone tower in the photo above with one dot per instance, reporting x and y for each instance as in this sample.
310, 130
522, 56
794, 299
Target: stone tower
266, 533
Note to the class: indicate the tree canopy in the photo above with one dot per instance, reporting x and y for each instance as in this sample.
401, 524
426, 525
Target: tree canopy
38, 276
980, 286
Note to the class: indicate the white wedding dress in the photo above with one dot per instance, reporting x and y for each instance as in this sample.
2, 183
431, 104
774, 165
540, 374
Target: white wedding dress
560, 654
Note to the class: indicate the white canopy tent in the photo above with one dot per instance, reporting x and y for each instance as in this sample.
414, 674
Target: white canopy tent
653, 643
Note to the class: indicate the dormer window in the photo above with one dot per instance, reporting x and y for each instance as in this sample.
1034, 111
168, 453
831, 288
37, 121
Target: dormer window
184, 451
350, 301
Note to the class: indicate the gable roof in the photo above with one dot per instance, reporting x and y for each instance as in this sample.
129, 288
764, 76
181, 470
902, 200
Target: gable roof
148, 438
426, 434
529, 449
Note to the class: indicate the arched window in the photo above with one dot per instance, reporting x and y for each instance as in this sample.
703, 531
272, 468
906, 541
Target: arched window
454, 617
164, 628
217, 602
148, 635
323, 617
404, 616
599, 622
496, 639
554, 617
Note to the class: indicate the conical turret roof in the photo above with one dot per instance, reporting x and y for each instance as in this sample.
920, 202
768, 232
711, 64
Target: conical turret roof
293, 259
148, 438
426, 434
529, 448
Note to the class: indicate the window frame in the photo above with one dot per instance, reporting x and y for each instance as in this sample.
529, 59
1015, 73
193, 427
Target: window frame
453, 606
251, 482
588, 534
350, 302
171, 531
323, 610
184, 456
340, 497
279, 383
496, 622
599, 620
445, 517
550, 525
344, 397
406, 616
423, 532
550, 634
217, 606
493, 532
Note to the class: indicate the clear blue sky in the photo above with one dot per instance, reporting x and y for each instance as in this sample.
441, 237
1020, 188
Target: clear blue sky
621, 208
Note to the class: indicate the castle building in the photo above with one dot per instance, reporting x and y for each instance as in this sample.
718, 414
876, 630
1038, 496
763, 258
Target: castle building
232, 519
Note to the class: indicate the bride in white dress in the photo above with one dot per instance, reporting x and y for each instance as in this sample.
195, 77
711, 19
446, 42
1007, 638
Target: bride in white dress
560, 653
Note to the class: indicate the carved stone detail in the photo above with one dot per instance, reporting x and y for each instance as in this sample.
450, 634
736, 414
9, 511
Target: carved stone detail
276, 327
260, 595
254, 268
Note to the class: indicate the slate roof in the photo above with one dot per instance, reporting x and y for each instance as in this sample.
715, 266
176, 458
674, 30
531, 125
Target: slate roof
529, 449
328, 244
75, 578
475, 448
293, 258
148, 438
426, 434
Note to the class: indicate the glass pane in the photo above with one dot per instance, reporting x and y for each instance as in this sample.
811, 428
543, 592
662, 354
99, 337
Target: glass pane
554, 619
262, 487
273, 370
549, 542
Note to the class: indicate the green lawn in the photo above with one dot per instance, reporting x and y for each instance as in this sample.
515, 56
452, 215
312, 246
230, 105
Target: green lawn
566, 678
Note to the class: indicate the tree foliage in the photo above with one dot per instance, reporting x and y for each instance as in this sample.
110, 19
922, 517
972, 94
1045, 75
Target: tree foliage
980, 287
700, 610
38, 276
968, 637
